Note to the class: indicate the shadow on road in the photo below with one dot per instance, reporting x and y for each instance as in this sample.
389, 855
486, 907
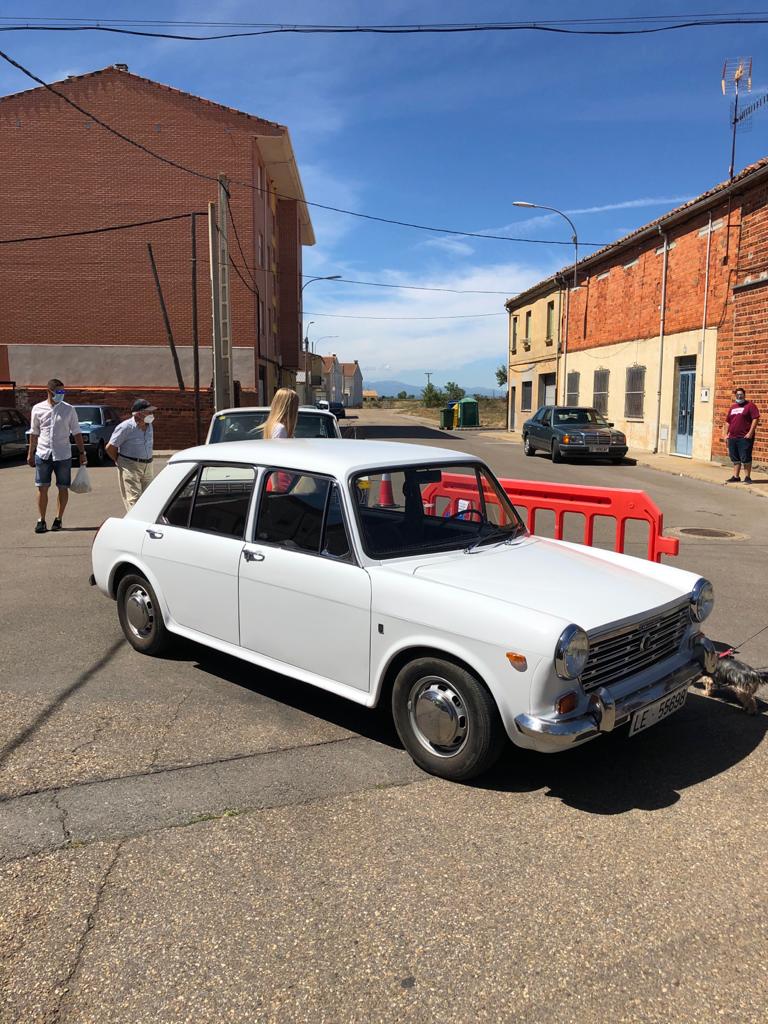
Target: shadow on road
401, 433
616, 774
372, 723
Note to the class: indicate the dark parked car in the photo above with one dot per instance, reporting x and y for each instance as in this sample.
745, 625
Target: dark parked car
97, 422
13, 436
567, 431
338, 410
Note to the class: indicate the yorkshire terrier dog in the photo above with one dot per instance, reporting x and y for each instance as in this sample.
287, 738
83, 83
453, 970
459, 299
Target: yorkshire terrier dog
735, 679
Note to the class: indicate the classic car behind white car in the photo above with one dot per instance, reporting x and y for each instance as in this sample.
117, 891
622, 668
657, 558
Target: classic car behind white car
337, 565
244, 423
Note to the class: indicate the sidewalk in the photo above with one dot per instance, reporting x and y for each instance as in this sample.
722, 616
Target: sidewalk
712, 472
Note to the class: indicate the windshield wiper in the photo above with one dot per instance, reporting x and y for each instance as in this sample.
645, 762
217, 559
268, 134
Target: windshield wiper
502, 534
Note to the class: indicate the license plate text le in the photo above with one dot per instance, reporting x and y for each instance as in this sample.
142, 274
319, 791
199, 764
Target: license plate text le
654, 713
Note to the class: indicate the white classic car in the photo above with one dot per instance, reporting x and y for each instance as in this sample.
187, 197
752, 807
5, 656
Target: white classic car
340, 565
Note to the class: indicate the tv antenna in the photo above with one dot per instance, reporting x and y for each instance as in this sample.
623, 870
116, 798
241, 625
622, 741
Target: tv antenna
737, 79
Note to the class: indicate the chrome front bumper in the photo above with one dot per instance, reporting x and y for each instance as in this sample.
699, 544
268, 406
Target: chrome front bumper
605, 714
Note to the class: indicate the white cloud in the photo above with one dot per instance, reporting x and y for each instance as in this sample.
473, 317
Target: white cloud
450, 244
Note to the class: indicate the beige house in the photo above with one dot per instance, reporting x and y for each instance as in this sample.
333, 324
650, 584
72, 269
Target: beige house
535, 328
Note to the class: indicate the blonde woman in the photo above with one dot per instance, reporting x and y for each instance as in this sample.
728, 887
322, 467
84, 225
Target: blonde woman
283, 413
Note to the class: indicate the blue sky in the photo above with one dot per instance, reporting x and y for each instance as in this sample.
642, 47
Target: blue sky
447, 130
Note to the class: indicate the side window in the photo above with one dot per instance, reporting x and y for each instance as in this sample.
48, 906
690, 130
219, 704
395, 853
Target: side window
292, 511
336, 541
547, 417
222, 500
5, 419
177, 511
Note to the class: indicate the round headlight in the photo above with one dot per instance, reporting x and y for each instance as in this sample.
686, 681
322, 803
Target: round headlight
702, 600
571, 652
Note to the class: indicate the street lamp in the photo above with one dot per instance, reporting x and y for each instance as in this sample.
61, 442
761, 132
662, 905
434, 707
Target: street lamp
330, 277
575, 240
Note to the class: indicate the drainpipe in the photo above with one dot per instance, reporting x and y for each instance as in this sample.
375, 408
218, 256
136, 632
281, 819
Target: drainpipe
565, 345
706, 298
662, 313
509, 370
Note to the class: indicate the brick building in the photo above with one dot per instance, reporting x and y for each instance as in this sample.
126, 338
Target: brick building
85, 308
667, 321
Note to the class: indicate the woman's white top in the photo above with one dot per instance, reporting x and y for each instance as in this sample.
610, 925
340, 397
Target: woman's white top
279, 430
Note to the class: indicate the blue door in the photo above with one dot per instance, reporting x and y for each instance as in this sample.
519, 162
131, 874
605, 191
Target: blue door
685, 392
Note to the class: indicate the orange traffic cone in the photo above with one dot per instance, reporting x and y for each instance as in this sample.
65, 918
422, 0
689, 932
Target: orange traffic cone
386, 497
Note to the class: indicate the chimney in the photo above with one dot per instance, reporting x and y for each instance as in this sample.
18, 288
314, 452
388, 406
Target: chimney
120, 67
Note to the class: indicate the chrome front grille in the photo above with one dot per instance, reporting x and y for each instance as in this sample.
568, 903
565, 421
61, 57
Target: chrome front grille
620, 653
597, 437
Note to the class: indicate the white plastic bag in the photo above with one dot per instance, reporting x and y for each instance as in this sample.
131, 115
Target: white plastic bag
82, 482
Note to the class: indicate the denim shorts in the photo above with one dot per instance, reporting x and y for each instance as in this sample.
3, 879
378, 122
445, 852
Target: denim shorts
45, 468
740, 449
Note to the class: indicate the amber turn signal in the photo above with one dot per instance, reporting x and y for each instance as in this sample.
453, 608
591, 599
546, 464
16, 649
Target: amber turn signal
567, 702
517, 661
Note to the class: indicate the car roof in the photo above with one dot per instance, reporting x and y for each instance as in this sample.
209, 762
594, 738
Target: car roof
335, 456
267, 408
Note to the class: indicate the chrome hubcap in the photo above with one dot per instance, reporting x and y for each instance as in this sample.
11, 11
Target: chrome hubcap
139, 612
438, 716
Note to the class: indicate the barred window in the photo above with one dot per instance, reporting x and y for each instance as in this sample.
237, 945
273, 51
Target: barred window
572, 388
527, 396
527, 337
635, 393
550, 320
514, 333
600, 391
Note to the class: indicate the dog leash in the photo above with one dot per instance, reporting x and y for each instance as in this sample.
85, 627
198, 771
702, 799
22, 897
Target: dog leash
737, 647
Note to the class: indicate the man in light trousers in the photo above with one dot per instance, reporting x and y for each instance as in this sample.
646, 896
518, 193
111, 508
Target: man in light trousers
131, 448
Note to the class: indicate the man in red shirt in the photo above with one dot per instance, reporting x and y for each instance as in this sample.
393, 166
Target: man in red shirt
739, 427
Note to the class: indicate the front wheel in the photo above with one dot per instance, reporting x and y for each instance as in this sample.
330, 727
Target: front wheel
556, 456
447, 720
527, 446
140, 617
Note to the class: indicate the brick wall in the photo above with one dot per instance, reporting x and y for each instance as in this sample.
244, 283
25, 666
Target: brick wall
174, 425
61, 172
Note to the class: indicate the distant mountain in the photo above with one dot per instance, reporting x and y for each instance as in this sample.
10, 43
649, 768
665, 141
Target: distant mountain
394, 387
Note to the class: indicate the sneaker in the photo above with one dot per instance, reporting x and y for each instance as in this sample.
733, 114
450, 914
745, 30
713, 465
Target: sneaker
40, 526
747, 479
56, 524
733, 480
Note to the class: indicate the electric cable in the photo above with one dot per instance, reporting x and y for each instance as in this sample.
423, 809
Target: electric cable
99, 231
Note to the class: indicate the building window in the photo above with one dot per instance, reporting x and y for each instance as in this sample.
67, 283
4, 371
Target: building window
550, 320
527, 338
600, 391
514, 333
261, 250
527, 396
634, 401
572, 388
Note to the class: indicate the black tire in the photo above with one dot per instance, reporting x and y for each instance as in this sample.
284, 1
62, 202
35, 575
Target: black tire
556, 456
142, 624
618, 462
99, 457
452, 701
528, 448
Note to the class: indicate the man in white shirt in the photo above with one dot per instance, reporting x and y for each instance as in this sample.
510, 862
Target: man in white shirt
50, 451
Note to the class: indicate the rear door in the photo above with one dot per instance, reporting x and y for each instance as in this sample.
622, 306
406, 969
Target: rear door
194, 549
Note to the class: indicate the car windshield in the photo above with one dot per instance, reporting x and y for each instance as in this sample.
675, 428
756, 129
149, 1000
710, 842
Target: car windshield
88, 413
246, 426
580, 418
432, 508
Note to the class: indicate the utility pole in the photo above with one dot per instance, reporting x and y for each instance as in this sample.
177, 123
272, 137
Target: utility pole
428, 376
195, 336
223, 384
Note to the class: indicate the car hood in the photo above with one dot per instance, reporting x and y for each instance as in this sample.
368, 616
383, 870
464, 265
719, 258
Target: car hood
568, 581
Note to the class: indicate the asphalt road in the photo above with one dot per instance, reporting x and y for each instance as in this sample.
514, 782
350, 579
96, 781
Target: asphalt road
196, 840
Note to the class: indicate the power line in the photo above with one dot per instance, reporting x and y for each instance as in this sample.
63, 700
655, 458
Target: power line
462, 316
582, 27
245, 184
98, 231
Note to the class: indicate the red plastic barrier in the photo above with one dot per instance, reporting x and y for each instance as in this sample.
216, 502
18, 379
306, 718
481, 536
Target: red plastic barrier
619, 505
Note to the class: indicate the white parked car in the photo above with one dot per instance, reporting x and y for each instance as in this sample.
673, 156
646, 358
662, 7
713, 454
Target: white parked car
244, 424
335, 564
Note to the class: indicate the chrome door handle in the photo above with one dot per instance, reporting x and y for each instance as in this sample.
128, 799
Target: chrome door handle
155, 534
253, 556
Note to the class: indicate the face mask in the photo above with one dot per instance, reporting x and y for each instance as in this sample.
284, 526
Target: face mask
58, 396
741, 401
149, 419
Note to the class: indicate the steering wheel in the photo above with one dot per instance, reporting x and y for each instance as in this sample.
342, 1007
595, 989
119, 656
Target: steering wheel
464, 513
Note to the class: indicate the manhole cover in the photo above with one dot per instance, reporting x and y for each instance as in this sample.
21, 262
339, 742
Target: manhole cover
703, 531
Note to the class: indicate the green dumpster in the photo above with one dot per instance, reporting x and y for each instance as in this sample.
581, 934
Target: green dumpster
446, 418
469, 413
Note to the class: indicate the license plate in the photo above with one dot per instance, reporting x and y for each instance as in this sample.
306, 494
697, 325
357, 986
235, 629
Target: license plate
598, 447
653, 713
